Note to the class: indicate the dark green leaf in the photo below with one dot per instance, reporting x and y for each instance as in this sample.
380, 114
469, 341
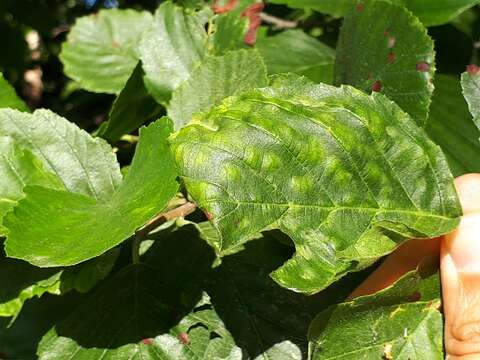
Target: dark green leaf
172, 48
430, 12
296, 52
391, 324
215, 79
471, 91
66, 228
101, 50
131, 108
346, 175
85, 165
385, 48
8, 97
450, 125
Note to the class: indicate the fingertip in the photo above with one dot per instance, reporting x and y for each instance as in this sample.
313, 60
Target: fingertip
468, 190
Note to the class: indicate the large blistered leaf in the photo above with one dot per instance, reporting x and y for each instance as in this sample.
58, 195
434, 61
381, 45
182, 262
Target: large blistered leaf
18, 168
66, 228
101, 50
131, 108
296, 52
85, 165
347, 176
430, 12
401, 322
383, 47
214, 80
171, 49
450, 125
471, 91
8, 97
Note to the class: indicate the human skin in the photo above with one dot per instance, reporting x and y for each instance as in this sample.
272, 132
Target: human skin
460, 273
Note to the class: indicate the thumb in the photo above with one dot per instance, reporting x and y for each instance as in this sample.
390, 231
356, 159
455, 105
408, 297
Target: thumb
460, 271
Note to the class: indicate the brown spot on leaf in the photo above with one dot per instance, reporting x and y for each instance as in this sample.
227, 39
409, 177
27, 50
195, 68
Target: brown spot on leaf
360, 7
386, 32
220, 9
147, 341
208, 214
184, 338
377, 86
252, 13
416, 296
423, 66
387, 351
391, 57
473, 69
391, 42
115, 45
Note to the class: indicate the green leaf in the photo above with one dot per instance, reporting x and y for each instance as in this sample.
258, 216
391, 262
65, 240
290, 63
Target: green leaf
66, 228
450, 125
215, 79
471, 91
430, 12
8, 96
22, 281
18, 168
172, 48
388, 325
346, 175
296, 52
85, 165
230, 30
385, 48
133, 107
101, 49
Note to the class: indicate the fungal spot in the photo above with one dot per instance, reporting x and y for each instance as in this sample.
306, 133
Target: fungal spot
377, 86
208, 214
360, 7
391, 57
386, 32
473, 69
219, 9
184, 338
391, 42
115, 45
423, 66
416, 296
147, 341
252, 13
387, 351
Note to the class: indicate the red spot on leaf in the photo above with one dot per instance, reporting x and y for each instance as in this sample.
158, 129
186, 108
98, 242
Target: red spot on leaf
391, 42
473, 69
147, 341
416, 296
391, 57
360, 7
386, 32
377, 86
423, 66
252, 13
219, 9
208, 214
184, 338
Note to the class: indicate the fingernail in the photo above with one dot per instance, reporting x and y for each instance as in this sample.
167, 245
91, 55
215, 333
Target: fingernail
463, 244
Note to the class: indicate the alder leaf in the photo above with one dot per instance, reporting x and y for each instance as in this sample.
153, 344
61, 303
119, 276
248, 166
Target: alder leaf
430, 12
66, 228
85, 165
101, 49
214, 80
133, 107
471, 90
173, 46
18, 168
385, 48
450, 125
293, 51
8, 96
346, 175
401, 322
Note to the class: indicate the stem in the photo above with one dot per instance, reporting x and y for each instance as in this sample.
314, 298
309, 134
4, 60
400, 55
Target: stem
158, 220
280, 23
